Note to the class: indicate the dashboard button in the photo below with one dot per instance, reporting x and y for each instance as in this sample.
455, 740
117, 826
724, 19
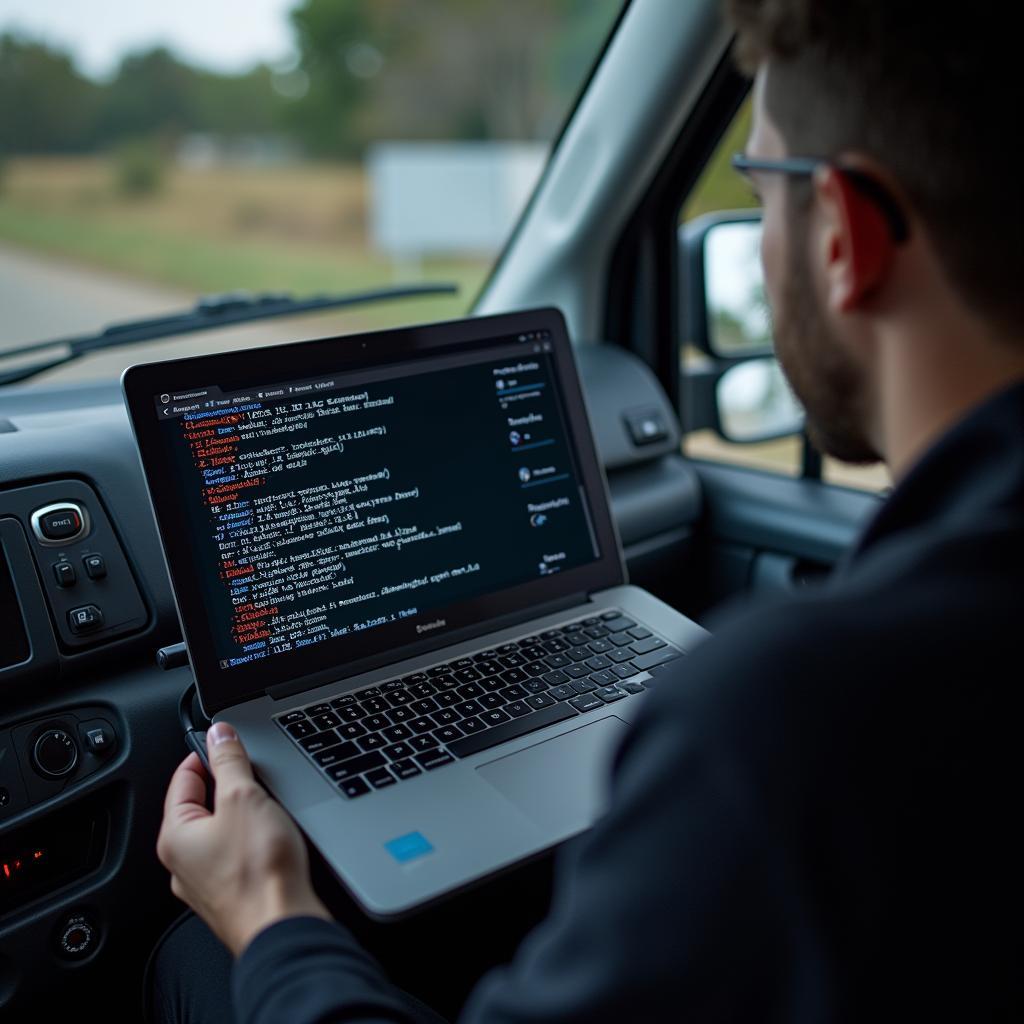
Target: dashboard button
63, 521
65, 574
85, 619
95, 567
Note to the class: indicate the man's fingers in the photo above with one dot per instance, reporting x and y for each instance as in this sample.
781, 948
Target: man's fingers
228, 760
186, 792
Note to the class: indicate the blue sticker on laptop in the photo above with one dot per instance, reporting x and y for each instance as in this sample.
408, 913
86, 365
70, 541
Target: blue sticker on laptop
408, 847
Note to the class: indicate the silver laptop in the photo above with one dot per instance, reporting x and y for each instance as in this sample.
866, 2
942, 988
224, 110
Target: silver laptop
398, 578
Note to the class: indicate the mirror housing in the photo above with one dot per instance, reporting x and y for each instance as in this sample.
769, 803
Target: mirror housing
732, 383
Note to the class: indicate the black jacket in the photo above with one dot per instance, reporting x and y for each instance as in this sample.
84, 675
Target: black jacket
814, 817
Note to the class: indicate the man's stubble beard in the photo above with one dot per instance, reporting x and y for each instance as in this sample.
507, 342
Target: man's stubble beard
825, 379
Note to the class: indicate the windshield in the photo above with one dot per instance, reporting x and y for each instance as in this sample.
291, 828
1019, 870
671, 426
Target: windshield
154, 153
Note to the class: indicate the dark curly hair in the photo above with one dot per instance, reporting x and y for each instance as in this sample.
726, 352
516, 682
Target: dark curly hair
929, 90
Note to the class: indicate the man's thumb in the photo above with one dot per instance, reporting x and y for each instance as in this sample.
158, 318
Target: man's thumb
228, 759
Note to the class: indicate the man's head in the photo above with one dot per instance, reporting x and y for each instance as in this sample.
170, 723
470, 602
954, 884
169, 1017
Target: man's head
917, 100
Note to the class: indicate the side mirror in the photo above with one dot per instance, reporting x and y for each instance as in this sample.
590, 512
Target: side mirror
731, 381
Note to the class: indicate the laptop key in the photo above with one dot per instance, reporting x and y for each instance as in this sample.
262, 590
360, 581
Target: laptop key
514, 675
446, 682
646, 646
639, 633
493, 683
620, 655
577, 671
532, 652
535, 686
424, 706
555, 677
462, 663
610, 693
578, 653
517, 708
619, 624
472, 725
510, 730
353, 787
495, 717
394, 733
393, 684
420, 725
352, 714
467, 708
319, 741
488, 667
405, 769
646, 661
534, 669
356, 765
431, 673
563, 692
448, 733
634, 687
623, 671
597, 662
470, 690
397, 698
380, 778
540, 700
372, 741
375, 706
397, 751
424, 742
450, 697
513, 660
350, 730
292, 716
326, 720
434, 759
490, 700
584, 685
317, 709
376, 722
555, 647
369, 691
302, 728
401, 714
513, 692
343, 702
558, 660
423, 690
445, 717
600, 646
604, 678
613, 614
587, 702
341, 752
509, 647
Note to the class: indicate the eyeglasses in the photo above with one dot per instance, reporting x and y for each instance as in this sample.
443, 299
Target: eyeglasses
864, 183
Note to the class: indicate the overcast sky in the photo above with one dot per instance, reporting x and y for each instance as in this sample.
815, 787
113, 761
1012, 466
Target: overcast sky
223, 35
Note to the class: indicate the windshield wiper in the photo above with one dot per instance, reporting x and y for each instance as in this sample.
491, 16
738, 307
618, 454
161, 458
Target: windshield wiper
208, 313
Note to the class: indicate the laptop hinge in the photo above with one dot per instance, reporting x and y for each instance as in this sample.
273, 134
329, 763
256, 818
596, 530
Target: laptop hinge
355, 668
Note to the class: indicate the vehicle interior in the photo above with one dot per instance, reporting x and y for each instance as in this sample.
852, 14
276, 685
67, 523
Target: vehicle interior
89, 723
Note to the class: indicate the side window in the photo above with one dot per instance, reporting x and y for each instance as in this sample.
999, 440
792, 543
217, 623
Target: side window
718, 190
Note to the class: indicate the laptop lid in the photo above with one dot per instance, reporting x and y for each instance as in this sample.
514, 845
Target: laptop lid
332, 505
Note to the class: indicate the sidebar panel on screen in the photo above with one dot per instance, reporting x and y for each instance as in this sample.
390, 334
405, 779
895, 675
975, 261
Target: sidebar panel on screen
318, 510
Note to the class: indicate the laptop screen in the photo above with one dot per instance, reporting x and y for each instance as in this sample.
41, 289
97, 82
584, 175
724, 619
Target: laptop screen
326, 514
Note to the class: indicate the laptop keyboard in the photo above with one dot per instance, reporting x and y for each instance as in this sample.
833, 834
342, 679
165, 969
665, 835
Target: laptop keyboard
383, 734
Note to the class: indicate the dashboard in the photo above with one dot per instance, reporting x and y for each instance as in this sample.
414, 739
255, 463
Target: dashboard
89, 731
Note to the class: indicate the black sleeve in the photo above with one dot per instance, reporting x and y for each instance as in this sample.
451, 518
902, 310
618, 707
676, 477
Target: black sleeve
677, 904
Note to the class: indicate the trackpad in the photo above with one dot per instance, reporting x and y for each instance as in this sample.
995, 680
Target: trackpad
561, 783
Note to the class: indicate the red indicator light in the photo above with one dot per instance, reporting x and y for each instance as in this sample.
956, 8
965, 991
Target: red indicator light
7, 871
17, 865
37, 854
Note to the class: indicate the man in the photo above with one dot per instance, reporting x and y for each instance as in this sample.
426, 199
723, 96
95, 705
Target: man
812, 820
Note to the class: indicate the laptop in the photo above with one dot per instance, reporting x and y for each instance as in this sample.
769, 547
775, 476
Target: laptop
399, 579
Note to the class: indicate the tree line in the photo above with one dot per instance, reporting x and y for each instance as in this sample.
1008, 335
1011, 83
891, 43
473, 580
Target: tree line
366, 70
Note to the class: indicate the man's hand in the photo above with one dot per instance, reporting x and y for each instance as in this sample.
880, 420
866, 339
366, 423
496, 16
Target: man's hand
242, 866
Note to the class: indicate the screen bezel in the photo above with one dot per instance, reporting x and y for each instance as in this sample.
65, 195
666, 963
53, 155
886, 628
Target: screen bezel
304, 359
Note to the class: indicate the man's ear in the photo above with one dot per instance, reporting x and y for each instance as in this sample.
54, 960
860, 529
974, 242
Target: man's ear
856, 240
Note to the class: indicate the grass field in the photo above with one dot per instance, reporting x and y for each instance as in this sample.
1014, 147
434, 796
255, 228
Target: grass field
300, 229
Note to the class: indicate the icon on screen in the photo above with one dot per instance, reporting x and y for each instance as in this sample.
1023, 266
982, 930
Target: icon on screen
165, 399
524, 474
538, 519
499, 384
514, 437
